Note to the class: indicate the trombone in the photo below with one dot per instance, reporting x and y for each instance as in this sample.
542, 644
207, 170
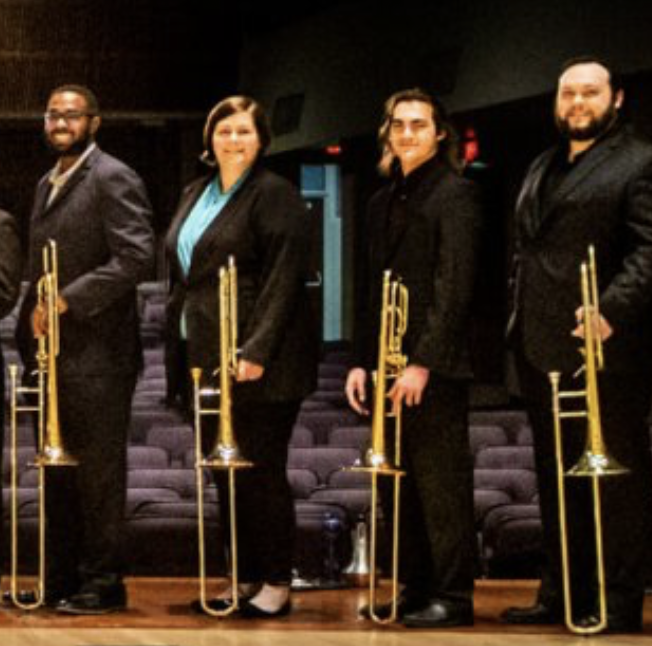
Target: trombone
51, 452
595, 462
225, 454
391, 364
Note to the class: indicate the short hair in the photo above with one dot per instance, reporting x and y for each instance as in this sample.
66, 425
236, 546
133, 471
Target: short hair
227, 107
82, 90
615, 79
448, 146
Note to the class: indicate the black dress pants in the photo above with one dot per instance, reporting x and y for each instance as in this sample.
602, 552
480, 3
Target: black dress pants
437, 537
85, 503
265, 516
626, 500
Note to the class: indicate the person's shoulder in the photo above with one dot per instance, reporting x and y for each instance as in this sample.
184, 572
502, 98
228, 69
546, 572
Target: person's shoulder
106, 165
269, 181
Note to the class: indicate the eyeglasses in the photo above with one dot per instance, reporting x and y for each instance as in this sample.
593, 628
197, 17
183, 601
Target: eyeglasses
68, 117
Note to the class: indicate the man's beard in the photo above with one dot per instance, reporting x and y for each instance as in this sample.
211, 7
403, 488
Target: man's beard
595, 128
75, 149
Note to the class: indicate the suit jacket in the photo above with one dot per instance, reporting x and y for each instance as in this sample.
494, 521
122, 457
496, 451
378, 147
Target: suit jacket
435, 255
101, 223
10, 273
265, 227
606, 201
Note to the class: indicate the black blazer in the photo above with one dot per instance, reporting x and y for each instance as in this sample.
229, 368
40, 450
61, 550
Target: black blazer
265, 227
606, 200
100, 221
10, 273
435, 255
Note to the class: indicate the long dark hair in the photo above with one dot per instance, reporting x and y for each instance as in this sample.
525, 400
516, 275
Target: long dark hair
448, 146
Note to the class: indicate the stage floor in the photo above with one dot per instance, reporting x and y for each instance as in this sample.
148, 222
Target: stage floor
159, 614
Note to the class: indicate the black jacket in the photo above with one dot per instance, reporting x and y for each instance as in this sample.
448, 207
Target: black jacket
435, 255
606, 201
100, 221
265, 227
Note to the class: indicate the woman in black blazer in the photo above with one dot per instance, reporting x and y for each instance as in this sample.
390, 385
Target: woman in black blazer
242, 210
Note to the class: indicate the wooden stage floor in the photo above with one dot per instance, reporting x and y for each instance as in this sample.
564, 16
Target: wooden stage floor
159, 614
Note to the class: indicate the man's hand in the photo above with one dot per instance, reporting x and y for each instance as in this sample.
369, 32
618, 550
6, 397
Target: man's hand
601, 327
249, 371
409, 387
356, 390
40, 317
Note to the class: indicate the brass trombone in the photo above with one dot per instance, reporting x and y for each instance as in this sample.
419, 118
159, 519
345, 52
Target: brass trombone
391, 364
595, 462
51, 451
225, 454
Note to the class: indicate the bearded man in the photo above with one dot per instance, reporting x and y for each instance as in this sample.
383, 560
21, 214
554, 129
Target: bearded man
96, 210
594, 188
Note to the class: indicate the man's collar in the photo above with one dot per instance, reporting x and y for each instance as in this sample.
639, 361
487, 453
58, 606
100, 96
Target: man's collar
58, 179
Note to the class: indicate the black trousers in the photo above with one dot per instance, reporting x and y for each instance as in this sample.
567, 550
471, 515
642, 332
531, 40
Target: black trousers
626, 500
265, 516
85, 503
437, 537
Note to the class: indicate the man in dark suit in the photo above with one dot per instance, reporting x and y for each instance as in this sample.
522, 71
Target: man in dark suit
10, 267
594, 188
96, 210
424, 227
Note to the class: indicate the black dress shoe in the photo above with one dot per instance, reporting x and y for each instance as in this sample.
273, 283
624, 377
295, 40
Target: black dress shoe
406, 603
94, 603
440, 614
249, 611
536, 614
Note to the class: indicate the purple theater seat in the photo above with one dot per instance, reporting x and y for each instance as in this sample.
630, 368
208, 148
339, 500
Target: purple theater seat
143, 420
147, 457
512, 541
322, 460
138, 498
510, 420
25, 455
334, 398
333, 371
24, 433
331, 384
486, 499
303, 482
154, 371
350, 436
301, 437
181, 481
519, 484
322, 422
524, 435
312, 405
481, 436
176, 440
505, 457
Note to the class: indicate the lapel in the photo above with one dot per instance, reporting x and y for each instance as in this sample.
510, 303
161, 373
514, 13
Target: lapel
597, 155
44, 189
530, 196
205, 243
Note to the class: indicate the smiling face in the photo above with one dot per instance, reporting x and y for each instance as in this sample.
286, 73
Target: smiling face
413, 136
69, 127
236, 143
586, 105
